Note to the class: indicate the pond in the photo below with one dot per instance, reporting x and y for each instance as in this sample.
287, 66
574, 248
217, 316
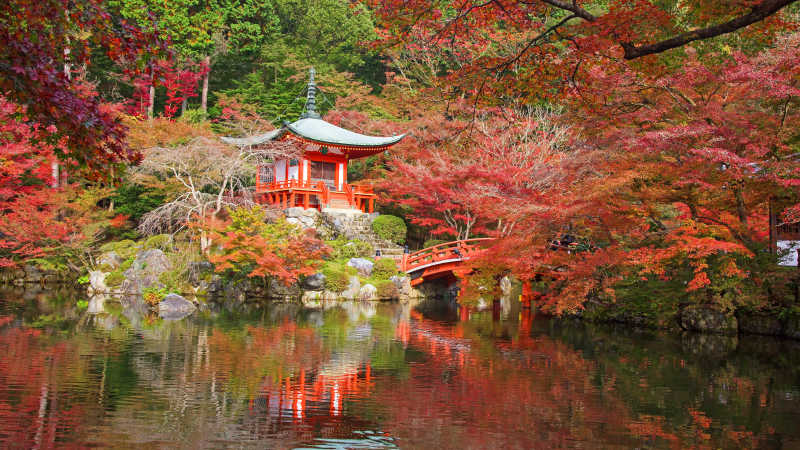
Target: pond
380, 375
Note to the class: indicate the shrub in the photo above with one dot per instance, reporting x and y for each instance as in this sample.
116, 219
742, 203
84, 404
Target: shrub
432, 242
153, 295
247, 246
159, 241
387, 289
384, 268
344, 249
194, 115
336, 279
390, 228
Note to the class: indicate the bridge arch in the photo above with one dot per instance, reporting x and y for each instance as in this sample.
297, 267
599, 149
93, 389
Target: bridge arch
442, 260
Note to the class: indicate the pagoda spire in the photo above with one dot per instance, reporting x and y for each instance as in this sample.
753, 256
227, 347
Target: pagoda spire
311, 97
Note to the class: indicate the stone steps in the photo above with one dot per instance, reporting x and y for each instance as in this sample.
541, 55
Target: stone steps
359, 226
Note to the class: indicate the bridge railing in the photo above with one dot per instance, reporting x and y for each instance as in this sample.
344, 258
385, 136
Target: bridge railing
456, 250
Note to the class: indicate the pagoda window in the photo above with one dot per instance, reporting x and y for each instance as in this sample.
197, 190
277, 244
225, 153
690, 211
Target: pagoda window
294, 169
266, 173
323, 171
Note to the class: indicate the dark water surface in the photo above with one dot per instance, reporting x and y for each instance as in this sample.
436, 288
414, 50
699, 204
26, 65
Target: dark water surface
365, 375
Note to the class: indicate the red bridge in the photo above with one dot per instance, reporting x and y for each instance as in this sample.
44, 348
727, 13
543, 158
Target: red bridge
442, 260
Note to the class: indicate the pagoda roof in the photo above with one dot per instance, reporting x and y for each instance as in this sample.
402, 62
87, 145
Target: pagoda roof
311, 128
254, 140
324, 133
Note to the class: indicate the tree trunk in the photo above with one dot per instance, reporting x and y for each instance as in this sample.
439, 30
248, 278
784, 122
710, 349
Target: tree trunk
205, 242
184, 105
204, 95
54, 171
151, 102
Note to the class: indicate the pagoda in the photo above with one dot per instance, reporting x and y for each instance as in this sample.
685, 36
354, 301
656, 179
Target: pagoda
318, 179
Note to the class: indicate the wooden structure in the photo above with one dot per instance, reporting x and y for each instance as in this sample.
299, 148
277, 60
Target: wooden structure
442, 260
784, 237
319, 178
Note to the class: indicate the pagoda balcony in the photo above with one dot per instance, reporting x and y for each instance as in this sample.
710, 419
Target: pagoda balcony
315, 194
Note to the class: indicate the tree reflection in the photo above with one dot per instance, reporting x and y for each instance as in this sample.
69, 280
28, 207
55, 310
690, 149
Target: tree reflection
358, 373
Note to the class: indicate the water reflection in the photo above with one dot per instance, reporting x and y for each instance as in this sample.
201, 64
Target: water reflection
367, 375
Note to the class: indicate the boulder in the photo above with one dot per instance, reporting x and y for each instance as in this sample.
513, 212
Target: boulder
277, 288
200, 271
368, 292
759, 323
175, 307
708, 320
306, 218
110, 260
403, 284
32, 273
144, 272
314, 282
97, 282
353, 289
363, 266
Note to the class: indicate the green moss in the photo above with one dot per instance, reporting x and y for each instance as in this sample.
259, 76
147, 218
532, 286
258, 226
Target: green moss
390, 228
125, 248
159, 241
115, 279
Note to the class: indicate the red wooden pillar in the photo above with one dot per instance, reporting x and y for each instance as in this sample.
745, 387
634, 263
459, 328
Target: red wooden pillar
527, 293
525, 322
305, 200
463, 313
291, 199
371, 205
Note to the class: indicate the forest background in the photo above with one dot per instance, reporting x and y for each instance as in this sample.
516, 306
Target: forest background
626, 154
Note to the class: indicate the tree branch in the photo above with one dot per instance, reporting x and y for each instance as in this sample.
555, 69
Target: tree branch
573, 8
757, 13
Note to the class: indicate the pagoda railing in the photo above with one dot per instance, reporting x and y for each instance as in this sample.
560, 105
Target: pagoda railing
283, 192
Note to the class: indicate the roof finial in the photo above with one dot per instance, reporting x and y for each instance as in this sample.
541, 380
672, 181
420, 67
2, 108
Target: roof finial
311, 97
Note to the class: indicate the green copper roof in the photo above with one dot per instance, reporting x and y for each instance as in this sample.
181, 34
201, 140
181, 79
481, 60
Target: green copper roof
318, 130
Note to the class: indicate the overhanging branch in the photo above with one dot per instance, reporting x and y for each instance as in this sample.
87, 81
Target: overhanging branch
758, 13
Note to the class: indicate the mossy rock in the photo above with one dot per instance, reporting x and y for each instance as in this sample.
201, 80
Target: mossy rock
708, 320
159, 241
